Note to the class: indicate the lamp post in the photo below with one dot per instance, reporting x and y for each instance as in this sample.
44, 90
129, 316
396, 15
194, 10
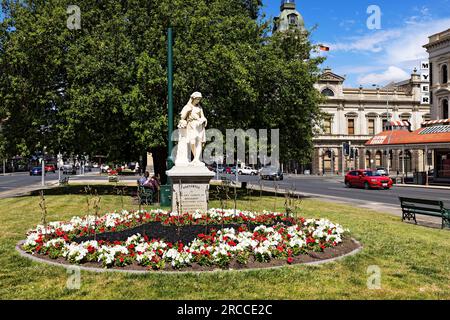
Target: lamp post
43, 130
170, 162
382, 129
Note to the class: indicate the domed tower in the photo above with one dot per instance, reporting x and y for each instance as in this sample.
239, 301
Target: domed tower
289, 18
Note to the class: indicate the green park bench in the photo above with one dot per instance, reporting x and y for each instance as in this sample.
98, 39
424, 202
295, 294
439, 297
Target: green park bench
435, 208
145, 195
64, 181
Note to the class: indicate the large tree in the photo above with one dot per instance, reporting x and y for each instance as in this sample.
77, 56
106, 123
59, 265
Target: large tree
103, 88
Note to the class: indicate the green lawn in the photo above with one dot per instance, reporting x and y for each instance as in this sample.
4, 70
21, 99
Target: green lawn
414, 261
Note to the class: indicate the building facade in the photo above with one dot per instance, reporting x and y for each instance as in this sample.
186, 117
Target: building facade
289, 17
355, 115
438, 49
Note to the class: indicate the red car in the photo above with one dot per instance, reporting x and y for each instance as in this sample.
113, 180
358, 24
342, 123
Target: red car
50, 168
367, 179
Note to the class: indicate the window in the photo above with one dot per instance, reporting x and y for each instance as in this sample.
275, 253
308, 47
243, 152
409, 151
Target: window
371, 126
385, 122
351, 126
327, 126
378, 156
445, 111
292, 19
328, 92
406, 117
444, 74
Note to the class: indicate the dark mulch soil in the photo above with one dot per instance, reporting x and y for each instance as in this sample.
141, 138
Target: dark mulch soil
169, 233
348, 245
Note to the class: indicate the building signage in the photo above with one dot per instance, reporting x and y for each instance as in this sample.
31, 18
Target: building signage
378, 140
425, 77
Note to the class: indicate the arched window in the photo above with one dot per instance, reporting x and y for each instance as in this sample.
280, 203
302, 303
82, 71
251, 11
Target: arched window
327, 92
444, 73
378, 157
445, 109
292, 19
405, 116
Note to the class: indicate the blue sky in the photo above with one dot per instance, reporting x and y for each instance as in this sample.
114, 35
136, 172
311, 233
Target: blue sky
367, 56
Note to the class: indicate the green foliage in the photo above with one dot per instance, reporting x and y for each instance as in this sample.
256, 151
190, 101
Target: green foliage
103, 88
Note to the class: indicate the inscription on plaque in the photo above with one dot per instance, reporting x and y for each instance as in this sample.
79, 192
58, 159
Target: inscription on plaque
190, 197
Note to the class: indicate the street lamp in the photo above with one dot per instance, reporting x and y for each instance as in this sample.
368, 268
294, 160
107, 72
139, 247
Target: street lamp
43, 129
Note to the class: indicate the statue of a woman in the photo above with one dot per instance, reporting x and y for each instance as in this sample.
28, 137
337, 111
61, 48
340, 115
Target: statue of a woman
194, 122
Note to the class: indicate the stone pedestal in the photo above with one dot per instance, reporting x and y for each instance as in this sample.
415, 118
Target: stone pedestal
190, 191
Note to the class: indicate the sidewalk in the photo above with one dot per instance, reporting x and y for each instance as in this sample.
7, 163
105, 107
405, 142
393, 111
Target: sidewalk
423, 186
394, 210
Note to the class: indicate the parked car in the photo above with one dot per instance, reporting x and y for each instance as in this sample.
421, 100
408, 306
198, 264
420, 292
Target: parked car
69, 169
50, 168
271, 173
367, 179
36, 171
247, 171
104, 168
382, 171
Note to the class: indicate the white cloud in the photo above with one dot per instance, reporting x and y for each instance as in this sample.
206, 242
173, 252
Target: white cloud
401, 46
372, 42
391, 54
408, 49
391, 74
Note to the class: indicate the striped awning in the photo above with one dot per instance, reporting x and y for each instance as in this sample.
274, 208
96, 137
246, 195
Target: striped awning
399, 123
435, 122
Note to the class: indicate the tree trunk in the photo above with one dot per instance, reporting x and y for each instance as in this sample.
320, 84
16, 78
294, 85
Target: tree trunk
159, 163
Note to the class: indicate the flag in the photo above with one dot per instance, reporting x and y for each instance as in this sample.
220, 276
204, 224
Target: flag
324, 48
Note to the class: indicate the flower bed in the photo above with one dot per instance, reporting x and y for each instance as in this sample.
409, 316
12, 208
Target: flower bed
229, 238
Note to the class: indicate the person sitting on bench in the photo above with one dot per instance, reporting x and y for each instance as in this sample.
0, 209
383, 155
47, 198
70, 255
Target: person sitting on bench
152, 183
143, 180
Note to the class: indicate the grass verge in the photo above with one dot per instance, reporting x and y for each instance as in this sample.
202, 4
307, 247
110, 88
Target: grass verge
413, 261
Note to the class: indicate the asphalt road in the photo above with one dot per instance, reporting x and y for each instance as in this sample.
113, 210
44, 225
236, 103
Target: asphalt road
334, 187
331, 187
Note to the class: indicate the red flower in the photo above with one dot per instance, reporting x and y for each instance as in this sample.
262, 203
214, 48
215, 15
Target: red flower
290, 260
131, 246
91, 249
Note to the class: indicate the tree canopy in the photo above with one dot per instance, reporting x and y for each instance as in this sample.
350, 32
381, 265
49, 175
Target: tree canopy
102, 89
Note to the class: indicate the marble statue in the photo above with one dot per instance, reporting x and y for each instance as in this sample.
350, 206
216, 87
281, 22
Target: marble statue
192, 132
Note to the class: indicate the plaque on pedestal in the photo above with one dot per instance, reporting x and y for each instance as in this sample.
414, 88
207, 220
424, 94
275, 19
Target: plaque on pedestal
190, 191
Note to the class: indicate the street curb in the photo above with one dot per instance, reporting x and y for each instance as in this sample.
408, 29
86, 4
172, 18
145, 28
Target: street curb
420, 186
138, 272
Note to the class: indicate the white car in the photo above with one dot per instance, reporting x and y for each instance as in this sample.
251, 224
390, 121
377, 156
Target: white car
247, 171
382, 171
68, 169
